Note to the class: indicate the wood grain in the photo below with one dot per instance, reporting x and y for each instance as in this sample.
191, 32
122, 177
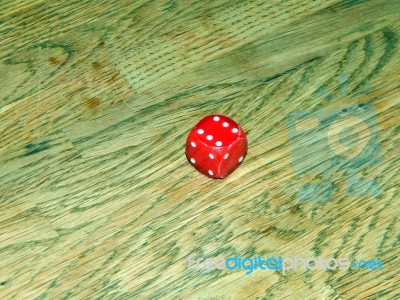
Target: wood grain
97, 199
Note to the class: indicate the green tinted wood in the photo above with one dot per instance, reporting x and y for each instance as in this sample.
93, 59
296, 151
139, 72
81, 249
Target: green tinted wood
97, 199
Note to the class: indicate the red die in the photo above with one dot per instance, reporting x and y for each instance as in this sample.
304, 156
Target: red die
216, 146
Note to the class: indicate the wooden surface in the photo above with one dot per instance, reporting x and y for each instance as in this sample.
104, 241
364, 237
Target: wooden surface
98, 200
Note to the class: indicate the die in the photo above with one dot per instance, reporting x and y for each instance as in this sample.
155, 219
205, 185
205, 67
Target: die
216, 146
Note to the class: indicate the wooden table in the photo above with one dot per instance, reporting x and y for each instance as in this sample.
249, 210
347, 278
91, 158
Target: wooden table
97, 198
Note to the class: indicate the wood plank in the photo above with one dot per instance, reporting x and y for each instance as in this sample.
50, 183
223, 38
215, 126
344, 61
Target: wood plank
97, 199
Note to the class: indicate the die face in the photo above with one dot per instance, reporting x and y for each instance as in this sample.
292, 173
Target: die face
233, 157
217, 131
216, 146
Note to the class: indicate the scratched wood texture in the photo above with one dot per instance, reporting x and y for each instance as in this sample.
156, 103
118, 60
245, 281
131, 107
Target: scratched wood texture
97, 199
